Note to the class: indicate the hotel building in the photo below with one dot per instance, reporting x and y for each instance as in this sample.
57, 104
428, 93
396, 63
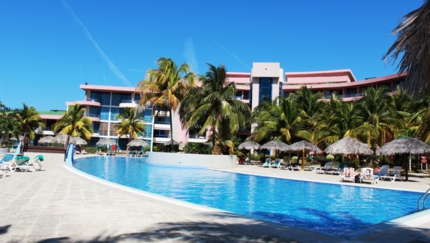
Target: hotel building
266, 80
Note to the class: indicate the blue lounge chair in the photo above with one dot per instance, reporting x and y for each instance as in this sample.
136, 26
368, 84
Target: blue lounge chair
267, 163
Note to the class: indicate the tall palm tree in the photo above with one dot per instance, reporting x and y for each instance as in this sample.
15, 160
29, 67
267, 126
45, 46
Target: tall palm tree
213, 106
75, 123
281, 119
413, 41
130, 124
29, 119
165, 87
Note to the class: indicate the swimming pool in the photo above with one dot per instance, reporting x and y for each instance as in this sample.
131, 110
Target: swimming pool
326, 208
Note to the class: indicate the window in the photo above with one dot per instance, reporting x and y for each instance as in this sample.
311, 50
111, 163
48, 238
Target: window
265, 89
246, 95
114, 113
96, 127
161, 133
118, 98
104, 114
94, 111
103, 98
148, 129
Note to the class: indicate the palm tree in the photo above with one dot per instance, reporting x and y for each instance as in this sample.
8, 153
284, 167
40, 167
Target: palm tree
413, 41
281, 119
378, 110
213, 106
10, 125
130, 124
29, 119
165, 87
308, 101
75, 123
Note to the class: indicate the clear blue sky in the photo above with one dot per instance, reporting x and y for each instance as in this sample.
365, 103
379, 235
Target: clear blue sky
48, 48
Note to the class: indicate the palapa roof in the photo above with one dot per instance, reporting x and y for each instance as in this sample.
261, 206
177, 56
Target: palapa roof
249, 145
304, 145
348, 145
275, 144
404, 146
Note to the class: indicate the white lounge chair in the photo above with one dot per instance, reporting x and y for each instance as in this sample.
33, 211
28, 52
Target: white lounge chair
34, 164
326, 169
366, 174
348, 175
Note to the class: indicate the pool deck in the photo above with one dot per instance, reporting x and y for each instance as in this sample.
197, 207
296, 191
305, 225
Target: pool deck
59, 205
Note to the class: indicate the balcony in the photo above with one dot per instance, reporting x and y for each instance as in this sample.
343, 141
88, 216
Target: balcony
89, 102
128, 104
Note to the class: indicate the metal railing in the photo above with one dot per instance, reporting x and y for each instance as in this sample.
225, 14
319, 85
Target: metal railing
424, 198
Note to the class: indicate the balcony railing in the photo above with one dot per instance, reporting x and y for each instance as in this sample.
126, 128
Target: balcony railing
103, 132
91, 99
161, 135
162, 122
92, 115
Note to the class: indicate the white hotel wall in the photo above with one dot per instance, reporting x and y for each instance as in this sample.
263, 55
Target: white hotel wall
193, 160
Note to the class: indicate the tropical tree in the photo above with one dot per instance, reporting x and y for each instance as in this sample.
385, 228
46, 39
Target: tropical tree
378, 110
74, 123
309, 103
165, 87
29, 119
10, 125
281, 119
214, 107
413, 41
130, 124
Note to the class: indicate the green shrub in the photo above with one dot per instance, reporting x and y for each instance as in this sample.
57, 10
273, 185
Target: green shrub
330, 157
197, 148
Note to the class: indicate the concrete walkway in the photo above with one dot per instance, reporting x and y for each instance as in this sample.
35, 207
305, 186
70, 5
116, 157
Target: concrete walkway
56, 205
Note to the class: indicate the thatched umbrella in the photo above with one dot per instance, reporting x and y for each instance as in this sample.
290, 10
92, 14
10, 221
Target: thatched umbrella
47, 139
348, 145
78, 141
61, 138
106, 141
404, 145
303, 146
137, 143
249, 145
275, 144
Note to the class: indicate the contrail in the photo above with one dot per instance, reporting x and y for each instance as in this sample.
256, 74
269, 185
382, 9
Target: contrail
231, 54
190, 55
110, 64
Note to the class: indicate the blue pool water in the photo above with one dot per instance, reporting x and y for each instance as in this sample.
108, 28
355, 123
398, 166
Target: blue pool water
327, 208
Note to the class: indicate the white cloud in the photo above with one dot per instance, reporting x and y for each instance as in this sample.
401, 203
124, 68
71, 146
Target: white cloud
190, 55
105, 58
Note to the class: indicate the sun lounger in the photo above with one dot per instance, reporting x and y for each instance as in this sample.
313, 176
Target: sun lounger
326, 169
396, 173
338, 170
267, 163
35, 162
294, 167
366, 174
348, 175
383, 173
277, 163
